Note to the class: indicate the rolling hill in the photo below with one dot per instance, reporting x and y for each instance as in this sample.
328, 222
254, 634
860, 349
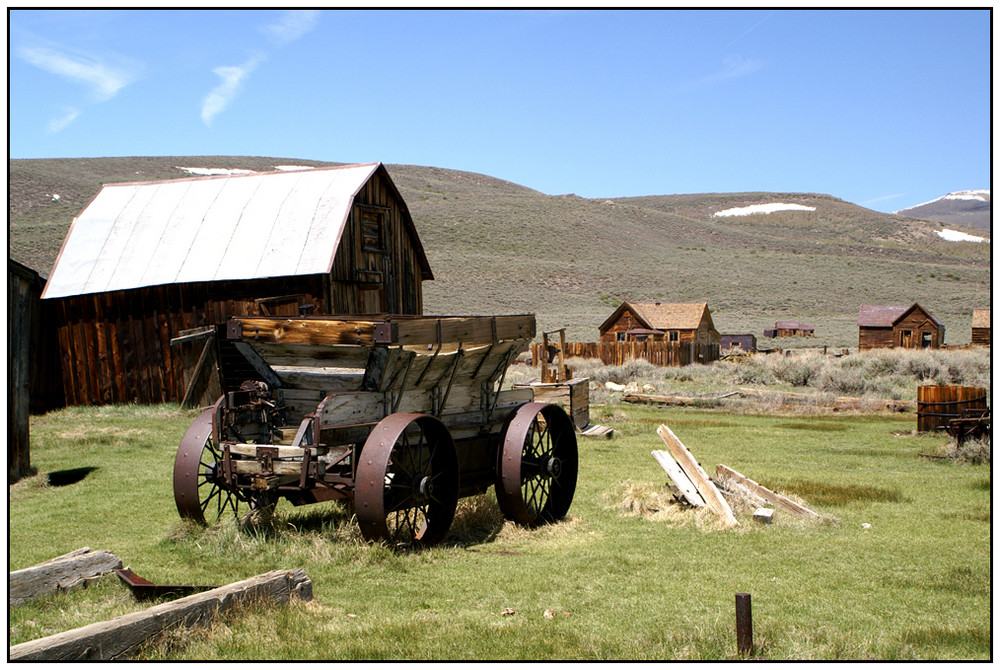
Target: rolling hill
498, 247
965, 208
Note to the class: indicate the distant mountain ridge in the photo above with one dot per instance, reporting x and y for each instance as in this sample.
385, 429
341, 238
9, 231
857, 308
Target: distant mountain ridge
497, 247
964, 208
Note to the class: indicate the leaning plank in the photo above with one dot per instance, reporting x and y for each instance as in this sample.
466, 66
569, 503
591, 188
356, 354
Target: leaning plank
680, 479
705, 487
776, 499
59, 574
115, 639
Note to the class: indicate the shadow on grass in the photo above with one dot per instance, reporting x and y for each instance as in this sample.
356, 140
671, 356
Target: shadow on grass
67, 477
830, 494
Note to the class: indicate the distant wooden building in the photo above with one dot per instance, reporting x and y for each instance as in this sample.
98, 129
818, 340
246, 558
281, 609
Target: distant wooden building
729, 343
790, 329
658, 321
147, 263
981, 327
910, 327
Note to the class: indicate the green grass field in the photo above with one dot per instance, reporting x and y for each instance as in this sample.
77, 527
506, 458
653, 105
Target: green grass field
626, 576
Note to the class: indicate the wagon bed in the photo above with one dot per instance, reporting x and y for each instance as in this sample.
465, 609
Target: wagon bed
401, 415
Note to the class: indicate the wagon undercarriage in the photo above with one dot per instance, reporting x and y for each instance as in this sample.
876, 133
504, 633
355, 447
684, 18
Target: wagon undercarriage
401, 416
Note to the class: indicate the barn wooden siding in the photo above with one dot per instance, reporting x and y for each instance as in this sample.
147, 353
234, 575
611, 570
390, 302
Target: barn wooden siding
115, 346
665, 354
377, 268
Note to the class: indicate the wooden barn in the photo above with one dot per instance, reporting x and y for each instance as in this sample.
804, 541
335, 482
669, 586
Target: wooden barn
660, 321
912, 327
790, 329
148, 266
981, 327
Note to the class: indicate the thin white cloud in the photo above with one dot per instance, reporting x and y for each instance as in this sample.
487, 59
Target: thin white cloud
68, 117
882, 198
233, 77
732, 68
102, 78
291, 26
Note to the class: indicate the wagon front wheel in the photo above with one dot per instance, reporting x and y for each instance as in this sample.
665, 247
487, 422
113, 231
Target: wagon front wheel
197, 490
406, 487
536, 475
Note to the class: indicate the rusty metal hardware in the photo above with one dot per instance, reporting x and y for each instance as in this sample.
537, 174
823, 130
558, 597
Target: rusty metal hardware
143, 589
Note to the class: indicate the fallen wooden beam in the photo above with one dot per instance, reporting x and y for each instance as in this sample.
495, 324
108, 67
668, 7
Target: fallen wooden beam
679, 478
693, 470
776, 499
62, 573
115, 639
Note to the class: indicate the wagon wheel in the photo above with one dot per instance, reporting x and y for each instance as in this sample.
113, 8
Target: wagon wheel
406, 488
196, 490
536, 475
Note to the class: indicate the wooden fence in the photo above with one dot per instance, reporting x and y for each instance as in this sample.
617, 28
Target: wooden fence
936, 405
666, 354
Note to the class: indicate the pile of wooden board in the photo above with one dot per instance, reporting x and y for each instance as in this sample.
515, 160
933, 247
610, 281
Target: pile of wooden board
698, 490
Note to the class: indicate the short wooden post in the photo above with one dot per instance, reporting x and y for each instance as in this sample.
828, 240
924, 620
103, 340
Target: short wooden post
744, 624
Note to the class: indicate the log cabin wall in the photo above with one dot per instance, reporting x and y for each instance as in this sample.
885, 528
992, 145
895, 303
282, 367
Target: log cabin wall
981, 336
916, 330
115, 346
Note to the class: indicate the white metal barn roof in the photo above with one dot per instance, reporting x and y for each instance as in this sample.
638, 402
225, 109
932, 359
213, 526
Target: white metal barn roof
272, 224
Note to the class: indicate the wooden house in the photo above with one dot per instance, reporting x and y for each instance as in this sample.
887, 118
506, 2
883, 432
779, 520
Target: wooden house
981, 327
910, 327
790, 329
660, 321
147, 266
731, 343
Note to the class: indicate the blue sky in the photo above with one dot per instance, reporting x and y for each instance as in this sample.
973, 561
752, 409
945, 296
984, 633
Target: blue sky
886, 109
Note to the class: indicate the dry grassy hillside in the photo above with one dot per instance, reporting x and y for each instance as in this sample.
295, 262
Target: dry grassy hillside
498, 247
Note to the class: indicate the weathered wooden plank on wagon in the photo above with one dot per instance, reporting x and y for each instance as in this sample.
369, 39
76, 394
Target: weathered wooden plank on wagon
468, 329
304, 330
115, 639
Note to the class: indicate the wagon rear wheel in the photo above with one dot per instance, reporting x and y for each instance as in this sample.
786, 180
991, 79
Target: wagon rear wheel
406, 489
197, 491
536, 475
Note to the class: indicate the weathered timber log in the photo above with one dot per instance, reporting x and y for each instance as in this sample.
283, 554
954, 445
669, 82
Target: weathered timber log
115, 639
698, 477
776, 499
59, 574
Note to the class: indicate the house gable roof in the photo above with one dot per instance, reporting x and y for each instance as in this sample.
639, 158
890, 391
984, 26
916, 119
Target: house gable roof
886, 316
981, 318
239, 227
663, 316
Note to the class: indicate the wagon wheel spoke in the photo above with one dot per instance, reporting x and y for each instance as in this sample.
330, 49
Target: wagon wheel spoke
407, 481
537, 466
198, 491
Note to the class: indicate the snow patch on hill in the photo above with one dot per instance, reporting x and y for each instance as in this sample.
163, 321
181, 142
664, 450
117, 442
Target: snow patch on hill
211, 172
958, 236
769, 208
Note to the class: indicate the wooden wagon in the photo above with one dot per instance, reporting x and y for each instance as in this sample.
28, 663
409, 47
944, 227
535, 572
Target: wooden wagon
400, 415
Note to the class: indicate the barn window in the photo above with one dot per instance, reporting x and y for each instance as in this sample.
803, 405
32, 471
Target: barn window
372, 230
674, 336
925, 339
621, 336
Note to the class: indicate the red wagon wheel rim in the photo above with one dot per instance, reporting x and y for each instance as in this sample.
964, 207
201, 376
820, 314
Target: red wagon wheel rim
197, 491
406, 488
538, 465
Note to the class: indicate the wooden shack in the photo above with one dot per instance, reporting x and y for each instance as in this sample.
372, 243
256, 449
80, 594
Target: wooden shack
660, 321
737, 343
790, 329
149, 264
981, 327
886, 326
